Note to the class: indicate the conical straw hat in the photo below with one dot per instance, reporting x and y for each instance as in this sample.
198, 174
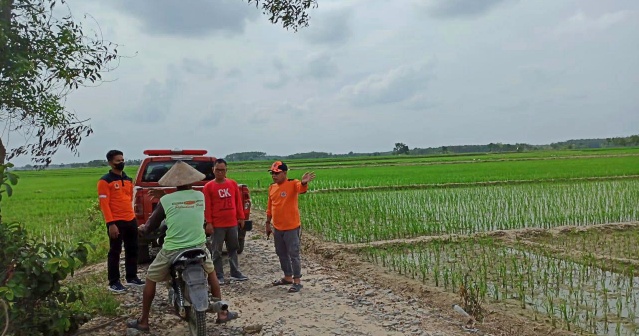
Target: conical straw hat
181, 174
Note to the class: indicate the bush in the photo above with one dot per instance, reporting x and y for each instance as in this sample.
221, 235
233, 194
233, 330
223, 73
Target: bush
96, 234
31, 272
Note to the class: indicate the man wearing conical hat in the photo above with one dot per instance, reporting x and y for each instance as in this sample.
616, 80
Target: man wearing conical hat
183, 212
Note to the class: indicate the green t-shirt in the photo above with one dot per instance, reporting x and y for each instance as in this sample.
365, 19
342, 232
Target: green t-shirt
184, 219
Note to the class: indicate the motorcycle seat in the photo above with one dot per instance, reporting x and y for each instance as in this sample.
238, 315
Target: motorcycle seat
191, 253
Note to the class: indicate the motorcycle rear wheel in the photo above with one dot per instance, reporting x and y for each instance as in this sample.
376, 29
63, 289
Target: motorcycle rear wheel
197, 322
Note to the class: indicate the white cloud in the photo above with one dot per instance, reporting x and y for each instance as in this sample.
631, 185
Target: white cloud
458, 8
396, 85
580, 23
332, 27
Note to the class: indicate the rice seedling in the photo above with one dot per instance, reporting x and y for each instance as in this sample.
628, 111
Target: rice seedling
576, 296
371, 216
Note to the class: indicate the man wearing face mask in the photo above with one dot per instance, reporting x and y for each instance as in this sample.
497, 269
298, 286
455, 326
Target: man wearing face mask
115, 193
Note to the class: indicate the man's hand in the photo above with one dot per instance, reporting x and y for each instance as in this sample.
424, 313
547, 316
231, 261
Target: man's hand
114, 232
209, 229
268, 229
142, 230
240, 223
156, 193
308, 177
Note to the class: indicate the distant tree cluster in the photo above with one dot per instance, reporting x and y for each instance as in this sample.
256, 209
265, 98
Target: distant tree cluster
246, 156
632, 140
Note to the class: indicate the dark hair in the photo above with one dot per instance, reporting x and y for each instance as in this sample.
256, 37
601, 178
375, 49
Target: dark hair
219, 161
113, 153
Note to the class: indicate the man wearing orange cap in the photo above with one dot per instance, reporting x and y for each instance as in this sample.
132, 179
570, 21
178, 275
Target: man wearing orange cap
283, 214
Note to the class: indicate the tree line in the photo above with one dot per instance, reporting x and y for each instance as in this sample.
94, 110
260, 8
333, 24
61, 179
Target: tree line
403, 149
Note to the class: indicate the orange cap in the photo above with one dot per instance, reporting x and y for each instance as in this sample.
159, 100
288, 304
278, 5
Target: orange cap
278, 166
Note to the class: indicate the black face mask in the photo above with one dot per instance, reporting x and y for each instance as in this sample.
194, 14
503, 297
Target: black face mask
119, 166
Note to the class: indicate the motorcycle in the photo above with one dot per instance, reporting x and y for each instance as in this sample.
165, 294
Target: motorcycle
189, 292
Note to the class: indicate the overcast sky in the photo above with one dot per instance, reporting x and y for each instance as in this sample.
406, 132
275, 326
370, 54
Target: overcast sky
365, 74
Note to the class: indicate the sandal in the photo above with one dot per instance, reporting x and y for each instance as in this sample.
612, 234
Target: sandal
282, 282
229, 316
135, 324
295, 288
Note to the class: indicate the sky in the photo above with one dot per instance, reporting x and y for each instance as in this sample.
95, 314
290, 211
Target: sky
365, 74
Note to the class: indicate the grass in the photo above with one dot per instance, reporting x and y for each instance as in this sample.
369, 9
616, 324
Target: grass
98, 300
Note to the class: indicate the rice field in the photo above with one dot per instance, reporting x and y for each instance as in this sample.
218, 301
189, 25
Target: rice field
355, 217
402, 175
583, 279
576, 295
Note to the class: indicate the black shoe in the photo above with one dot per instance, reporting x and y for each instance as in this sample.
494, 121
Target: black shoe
117, 288
135, 282
239, 277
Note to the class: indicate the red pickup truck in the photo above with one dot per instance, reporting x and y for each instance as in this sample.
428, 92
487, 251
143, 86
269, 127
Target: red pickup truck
152, 168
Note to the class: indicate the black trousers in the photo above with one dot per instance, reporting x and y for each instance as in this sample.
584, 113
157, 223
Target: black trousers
129, 236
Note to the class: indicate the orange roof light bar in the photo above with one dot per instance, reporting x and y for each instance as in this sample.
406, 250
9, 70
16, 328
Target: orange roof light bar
157, 152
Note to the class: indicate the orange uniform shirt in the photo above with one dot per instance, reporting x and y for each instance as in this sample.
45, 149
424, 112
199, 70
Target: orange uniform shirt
115, 193
282, 204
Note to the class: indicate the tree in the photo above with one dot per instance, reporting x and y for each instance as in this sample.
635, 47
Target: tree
400, 148
292, 13
42, 60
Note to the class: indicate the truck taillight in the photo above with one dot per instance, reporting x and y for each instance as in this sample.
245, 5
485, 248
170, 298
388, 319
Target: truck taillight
246, 199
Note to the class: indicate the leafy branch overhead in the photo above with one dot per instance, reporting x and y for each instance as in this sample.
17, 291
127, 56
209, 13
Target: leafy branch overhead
43, 59
292, 13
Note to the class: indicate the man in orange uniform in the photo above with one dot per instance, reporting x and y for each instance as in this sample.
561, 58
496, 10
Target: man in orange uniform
115, 192
224, 213
282, 209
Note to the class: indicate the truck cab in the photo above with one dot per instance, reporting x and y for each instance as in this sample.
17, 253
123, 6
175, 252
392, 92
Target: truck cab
152, 168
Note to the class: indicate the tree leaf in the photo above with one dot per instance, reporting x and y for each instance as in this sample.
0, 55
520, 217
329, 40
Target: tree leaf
13, 178
9, 189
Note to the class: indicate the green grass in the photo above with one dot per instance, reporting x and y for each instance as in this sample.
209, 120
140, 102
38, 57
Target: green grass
98, 300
